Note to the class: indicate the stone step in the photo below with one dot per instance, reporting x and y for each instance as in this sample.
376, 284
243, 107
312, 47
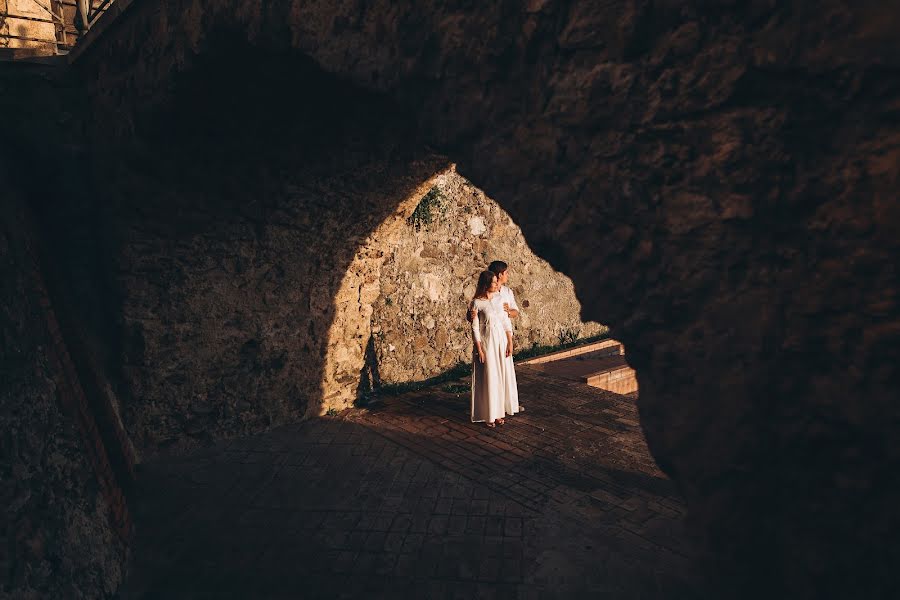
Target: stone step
601, 365
601, 348
618, 378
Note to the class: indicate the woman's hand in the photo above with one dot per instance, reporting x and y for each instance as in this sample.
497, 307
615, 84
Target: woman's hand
509, 345
481, 356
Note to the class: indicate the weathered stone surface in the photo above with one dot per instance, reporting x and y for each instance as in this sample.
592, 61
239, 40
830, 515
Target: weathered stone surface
254, 316
245, 288
428, 278
56, 537
241, 325
719, 180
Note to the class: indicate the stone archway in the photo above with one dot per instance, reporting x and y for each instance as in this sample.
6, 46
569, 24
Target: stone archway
248, 241
718, 184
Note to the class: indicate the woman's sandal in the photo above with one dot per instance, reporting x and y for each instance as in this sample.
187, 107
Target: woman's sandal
491, 425
501, 421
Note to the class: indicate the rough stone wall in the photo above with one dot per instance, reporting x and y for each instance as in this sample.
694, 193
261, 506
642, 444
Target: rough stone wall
44, 150
429, 276
718, 179
245, 323
57, 540
239, 253
247, 285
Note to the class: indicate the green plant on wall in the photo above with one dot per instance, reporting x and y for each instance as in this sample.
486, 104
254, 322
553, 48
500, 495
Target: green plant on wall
540, 350
432, 205
567, 336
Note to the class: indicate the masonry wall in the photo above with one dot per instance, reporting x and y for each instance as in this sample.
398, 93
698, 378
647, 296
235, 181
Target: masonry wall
428, 278
718, 179
64, 522
234, 321
253, 261
28, 24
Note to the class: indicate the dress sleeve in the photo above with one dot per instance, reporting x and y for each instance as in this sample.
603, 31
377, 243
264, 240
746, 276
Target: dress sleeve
512, 299
507, 322
476, 326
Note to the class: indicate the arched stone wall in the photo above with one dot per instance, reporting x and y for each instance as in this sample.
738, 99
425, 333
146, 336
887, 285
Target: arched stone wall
239, 226
718, 180
245, 243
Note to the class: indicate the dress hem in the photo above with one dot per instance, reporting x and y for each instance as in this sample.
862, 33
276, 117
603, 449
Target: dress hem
505, 414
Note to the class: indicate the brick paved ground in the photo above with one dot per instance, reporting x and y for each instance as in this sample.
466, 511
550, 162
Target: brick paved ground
410, 500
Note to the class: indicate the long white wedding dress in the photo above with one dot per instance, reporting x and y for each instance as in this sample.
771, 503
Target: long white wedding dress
494, 390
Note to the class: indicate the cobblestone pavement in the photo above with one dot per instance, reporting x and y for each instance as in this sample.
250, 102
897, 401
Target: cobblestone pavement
410, 500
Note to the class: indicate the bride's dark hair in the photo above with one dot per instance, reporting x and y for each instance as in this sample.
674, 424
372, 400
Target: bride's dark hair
485, 279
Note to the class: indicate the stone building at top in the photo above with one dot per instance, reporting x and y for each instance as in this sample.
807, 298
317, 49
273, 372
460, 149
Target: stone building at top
36, 28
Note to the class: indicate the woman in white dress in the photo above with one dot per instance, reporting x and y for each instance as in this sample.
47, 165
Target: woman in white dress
494, 391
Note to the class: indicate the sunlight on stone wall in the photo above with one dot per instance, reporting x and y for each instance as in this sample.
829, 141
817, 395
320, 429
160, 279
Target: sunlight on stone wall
429, 276
406, 290
358, 292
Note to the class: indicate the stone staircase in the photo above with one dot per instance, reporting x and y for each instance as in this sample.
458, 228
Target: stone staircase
600, 364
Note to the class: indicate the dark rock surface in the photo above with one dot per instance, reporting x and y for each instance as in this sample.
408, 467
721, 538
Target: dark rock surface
232, 232
57, 541
719, 180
